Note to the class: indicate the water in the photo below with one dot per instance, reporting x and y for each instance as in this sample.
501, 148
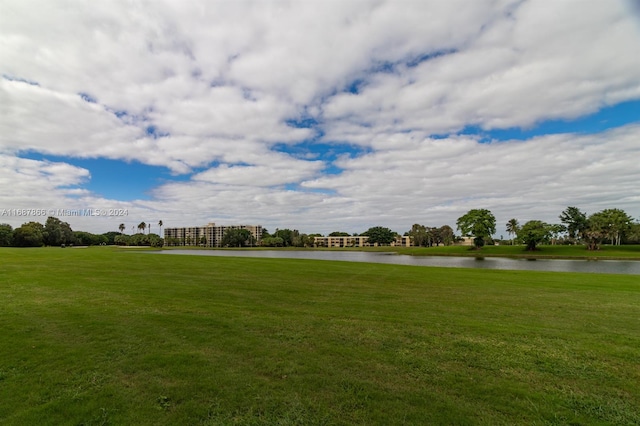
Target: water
629, 267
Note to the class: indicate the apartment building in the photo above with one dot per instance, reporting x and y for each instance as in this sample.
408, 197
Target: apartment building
358, 241
209, 235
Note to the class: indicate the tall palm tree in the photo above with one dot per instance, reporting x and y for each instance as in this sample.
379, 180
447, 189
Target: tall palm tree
512, 228
121, 228
160, 225
142, 226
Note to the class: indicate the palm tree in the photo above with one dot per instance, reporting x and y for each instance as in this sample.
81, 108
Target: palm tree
512, 228
121, 228
142, 226
160, 225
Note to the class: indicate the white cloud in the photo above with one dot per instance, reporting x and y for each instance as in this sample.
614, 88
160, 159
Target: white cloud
431, 181
512, 75
264, 175
43, 120
30, 184
208, 89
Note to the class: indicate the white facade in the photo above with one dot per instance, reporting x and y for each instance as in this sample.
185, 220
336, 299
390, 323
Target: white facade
209, 235
358, 241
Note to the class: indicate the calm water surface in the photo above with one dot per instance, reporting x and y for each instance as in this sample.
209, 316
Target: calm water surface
556, 265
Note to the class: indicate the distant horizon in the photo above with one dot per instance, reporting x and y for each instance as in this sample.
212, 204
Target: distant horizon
134, 230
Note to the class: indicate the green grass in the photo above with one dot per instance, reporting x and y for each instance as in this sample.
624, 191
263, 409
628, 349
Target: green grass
104, 336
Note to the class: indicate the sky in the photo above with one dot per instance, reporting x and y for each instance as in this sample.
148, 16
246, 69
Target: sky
316, 115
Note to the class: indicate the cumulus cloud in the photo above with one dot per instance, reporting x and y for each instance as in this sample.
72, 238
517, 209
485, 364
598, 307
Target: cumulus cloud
35, 177
30, 184
541, 60
263, 175
226, 94
433, 181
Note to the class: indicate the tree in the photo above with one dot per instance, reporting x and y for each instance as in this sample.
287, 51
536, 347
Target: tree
139, 240
121, 228
122, 240
88, 239
57, 232
534, 232
6, 235
479, 223
380, 235
595, 230
556, 229
339, 234
446, 235
271, 242
84, 238
155, 240
300, 240
236, 238
619, 223
142, 226
419, 235
29, 235
110, 236
575, 221
160, 226
265, 233
287, 236
633, 235
512, 228
173, 241
307, 240
434, 236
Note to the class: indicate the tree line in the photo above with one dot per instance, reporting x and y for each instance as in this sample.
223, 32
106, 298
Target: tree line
612, 226
293, 238
139, 238
422, 236
55, 232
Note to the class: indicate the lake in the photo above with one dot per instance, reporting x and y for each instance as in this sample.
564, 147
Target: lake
555, 265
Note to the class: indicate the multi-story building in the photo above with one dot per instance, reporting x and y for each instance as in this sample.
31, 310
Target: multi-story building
209, 235
358, 241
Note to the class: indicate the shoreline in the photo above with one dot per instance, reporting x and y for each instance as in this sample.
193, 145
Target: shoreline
406, 251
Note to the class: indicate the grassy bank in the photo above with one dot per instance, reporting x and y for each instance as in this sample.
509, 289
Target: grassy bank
103, 336
626, 252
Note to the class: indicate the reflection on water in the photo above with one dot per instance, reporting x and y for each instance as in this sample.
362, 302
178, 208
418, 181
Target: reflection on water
556, 265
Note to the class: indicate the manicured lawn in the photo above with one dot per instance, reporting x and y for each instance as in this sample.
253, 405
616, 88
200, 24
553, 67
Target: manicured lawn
104, 336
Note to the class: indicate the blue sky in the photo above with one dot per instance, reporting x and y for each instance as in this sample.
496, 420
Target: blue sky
606, 118
114, 179
320, 116
132, 180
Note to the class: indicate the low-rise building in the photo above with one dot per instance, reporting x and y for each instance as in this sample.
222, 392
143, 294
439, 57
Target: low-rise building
209, 235
358, 241
464, 241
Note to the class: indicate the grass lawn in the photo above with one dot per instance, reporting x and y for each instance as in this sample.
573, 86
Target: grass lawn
103, 336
